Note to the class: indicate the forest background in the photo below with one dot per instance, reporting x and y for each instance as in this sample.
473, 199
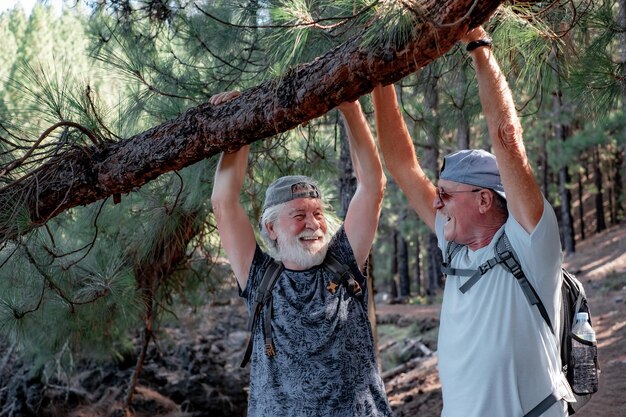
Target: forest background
95, 277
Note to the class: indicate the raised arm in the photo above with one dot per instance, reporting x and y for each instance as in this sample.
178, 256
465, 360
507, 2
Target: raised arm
364, 210
524, 198
233, 223
399, 155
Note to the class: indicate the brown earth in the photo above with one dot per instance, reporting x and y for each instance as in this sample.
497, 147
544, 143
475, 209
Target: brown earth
600, 263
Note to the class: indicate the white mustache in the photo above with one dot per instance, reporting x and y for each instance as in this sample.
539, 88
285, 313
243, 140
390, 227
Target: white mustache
310, 235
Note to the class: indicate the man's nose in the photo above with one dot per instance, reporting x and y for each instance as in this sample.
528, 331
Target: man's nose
437, 202
312, 222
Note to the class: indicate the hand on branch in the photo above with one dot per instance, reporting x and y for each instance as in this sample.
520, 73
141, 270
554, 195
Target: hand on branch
223, 97
475, 34
349, 106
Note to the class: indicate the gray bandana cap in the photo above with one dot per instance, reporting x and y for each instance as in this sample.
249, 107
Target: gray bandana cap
289, 188
474, 167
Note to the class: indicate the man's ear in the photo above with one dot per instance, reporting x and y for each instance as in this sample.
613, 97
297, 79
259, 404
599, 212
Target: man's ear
270, 231
486, 201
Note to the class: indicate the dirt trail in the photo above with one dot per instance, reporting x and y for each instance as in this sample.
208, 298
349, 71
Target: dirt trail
600, 263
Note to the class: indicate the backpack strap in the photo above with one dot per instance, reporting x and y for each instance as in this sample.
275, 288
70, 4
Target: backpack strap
342, 276
475, 274
446, 267
263, 294
543, 406
504, 250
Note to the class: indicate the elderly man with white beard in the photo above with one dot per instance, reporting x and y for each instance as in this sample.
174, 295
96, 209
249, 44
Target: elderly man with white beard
319, 360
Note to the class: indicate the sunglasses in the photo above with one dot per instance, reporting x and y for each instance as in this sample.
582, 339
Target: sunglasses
444, 195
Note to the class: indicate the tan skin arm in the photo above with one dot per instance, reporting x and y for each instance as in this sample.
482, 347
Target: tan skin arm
524, 198
364, 210
233, 224
399, 155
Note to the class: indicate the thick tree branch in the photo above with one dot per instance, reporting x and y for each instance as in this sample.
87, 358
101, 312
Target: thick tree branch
303, 93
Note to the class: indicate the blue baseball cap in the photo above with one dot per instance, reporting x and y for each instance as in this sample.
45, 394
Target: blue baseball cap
289, 188
473, 167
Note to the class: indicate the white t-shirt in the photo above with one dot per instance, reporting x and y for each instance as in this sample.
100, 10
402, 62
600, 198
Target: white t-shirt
497, 357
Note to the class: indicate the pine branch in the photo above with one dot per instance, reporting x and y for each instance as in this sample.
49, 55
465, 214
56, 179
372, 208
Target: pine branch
303, 93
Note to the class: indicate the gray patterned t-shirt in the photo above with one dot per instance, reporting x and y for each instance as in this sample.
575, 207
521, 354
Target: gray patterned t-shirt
325, 364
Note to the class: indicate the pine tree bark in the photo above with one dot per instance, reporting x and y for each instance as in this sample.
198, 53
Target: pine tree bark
88, 174
430, 163
599, 199
617, 185
581, 207
463, 127
561, 134
622, 45
403, 266
393, 285
418, 265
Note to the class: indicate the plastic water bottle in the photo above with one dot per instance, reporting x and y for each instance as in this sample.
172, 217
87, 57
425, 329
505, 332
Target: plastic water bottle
584, 356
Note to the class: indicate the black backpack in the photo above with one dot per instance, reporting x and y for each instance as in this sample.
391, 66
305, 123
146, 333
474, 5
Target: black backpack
263, 298
573, 301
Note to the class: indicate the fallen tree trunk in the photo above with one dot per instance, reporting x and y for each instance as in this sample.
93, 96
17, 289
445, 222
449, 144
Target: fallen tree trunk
82, 176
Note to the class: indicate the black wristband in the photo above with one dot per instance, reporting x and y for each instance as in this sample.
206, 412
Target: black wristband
477, 44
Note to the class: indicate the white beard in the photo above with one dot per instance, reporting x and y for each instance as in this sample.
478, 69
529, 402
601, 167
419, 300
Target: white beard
292, 249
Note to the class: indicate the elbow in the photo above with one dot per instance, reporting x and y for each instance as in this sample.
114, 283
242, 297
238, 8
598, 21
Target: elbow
216, 200
382, 186
378, 189
217, 207
220, 204
510, 134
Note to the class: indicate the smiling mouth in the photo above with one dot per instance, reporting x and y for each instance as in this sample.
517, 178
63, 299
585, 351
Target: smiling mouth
310, 238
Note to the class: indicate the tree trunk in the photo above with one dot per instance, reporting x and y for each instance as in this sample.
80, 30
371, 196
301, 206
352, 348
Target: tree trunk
435, 276
418, 265
581, 207
84, 175
430, 163
560, 133
393, 286
347, 180
622, 46
597, 178
463, 127
618, 194
150, 275
403, 267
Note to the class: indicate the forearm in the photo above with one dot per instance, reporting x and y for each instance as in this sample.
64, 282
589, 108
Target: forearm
229, 176
363, 152
399, 154
497, 101
395, 142
363, 212
524, 197
233, 225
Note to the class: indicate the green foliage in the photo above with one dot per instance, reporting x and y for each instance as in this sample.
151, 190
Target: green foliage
149, 61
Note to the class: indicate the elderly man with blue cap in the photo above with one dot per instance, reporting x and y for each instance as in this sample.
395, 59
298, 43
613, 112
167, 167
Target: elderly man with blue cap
312, 353
497, 355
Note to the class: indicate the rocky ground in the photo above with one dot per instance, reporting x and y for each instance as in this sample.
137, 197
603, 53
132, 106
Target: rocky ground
193, 370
